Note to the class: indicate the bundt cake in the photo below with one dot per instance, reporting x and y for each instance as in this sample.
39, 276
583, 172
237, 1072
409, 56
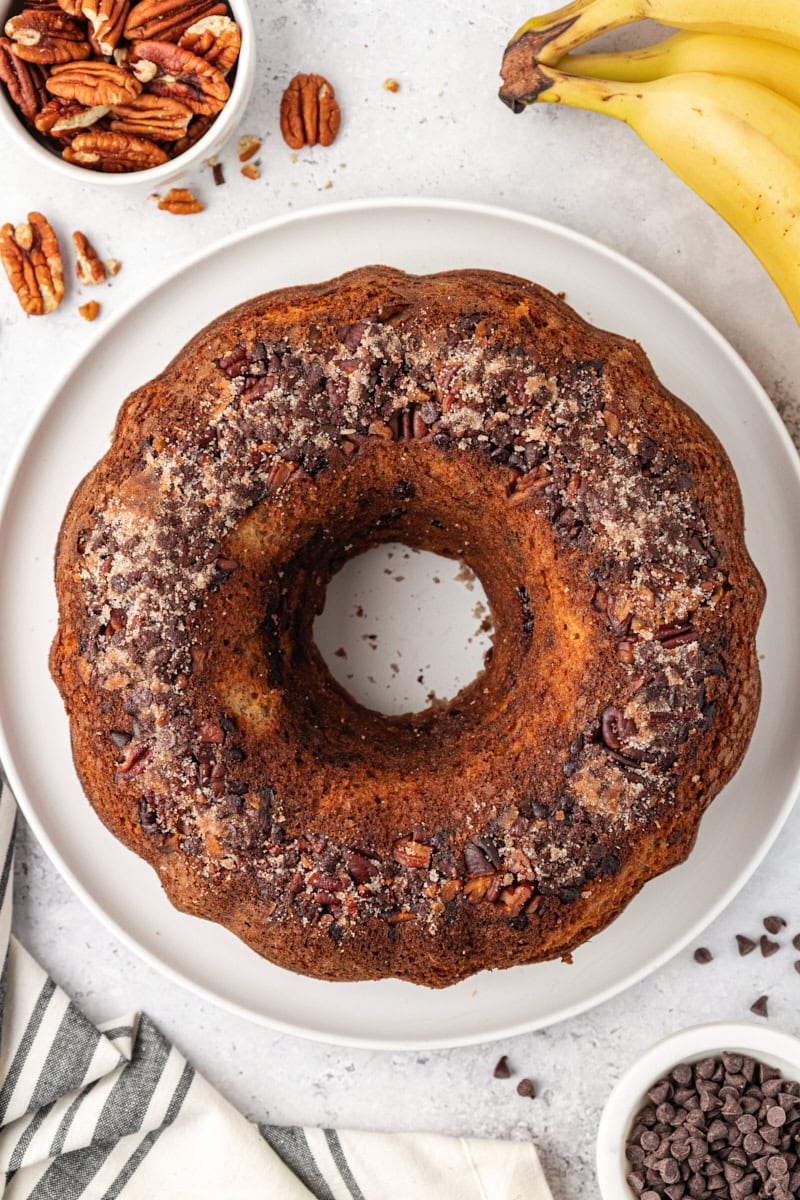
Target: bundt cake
469, 413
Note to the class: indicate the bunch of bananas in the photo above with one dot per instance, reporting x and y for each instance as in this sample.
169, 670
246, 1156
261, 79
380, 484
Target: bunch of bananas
719, 103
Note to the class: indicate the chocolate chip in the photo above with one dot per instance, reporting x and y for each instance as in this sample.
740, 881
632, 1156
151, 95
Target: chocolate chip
703, 955
502, 1069
759, 1006
774, 924
768, 947
746, 944
526, 1087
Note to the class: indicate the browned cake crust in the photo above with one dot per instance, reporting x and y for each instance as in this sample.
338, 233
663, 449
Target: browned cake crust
473, 414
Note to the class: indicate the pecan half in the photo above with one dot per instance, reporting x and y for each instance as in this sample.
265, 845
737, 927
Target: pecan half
168, 70
114, 152
88, 265
93, 83
181, 202
310, 113
166, 20
24, 80
198, 127
106, 22
216, 39
32, 261
47, 35
158, 117
62, 117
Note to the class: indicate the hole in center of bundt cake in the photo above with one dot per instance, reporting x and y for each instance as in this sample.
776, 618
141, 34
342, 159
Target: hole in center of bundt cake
404, 628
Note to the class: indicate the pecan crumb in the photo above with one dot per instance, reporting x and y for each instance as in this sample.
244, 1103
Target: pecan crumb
113, 265
89, 310
180, 201
89, 267
248, 147
390, 85
251, 171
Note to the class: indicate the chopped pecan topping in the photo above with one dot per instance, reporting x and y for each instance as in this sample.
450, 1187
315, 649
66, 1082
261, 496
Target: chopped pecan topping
114, 152
93, 83
168, 70
310, 113
166, 20
47, 35
106, 22
24, 80
158, 117
32, 262
217, 39
181, 202
90, 310
62, 117
88, 265
412, 854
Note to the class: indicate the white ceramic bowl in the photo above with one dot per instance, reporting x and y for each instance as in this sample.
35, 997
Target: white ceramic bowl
211, 142
690, 1045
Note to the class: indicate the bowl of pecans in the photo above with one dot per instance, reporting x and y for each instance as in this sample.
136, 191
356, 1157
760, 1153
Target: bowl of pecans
114, 92
711, 1112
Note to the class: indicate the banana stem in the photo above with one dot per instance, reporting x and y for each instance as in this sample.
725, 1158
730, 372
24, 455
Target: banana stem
613, 99
547, 39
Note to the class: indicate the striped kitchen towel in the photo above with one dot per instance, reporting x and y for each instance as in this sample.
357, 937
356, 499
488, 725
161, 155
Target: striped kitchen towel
115, 1110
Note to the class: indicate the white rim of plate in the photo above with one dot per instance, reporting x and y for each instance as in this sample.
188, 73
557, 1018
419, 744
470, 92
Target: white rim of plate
321, 212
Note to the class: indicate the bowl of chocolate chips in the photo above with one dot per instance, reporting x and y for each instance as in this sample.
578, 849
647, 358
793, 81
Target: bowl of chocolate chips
710, 1113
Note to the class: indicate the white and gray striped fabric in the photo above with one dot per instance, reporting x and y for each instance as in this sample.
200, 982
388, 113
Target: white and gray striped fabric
115, 1111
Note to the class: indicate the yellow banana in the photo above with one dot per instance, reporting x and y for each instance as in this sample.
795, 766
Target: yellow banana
736, 143
774, 66
548, 38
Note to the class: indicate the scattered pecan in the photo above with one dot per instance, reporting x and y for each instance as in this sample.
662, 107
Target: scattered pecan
158, 117
113, 265
106, 20
88, 266
412, 854
114, 152
390, 85
180, 201
310, 113
24, 80
248, 147
89, 310
216, 39
251, 171
168, 70
32, 262
62, 117
166, 20
47, 35
93, 83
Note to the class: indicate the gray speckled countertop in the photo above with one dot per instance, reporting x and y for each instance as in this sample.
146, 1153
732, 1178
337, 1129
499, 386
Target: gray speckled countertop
442, 134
